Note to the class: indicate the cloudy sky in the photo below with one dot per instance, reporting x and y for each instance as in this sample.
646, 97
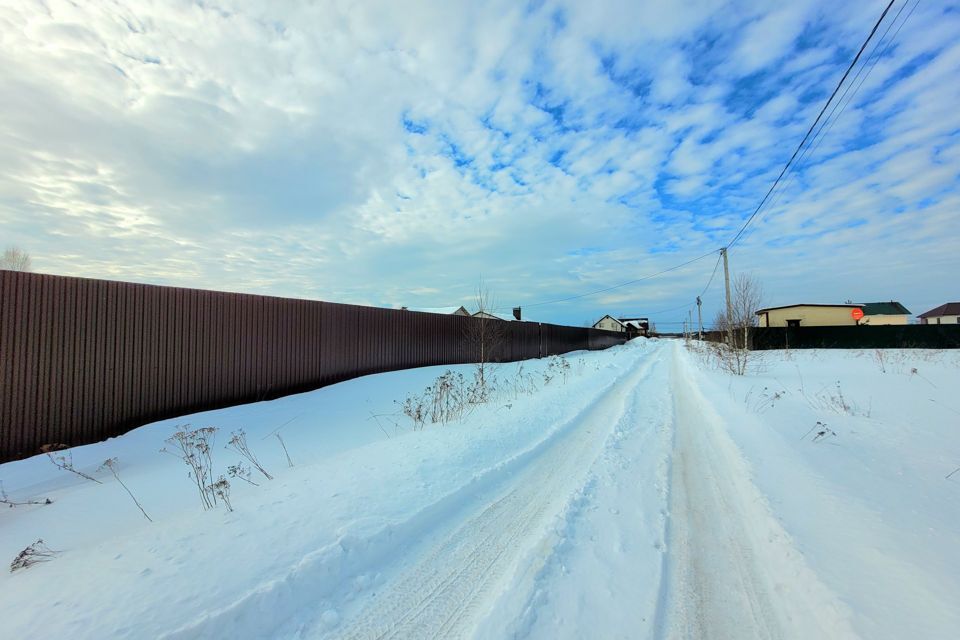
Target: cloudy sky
395, 153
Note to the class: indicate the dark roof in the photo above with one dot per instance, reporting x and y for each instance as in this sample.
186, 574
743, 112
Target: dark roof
804, 304
948, 309
607, 316
884, 309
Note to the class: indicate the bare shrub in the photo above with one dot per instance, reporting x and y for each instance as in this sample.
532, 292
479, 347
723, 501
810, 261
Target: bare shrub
194, 447
451, 396
483, 388
65, 462
238, 442
484, 335
449, 399
415, 408
111, 465
556, 367
745, 299
732, 359
523, 382
33, 554
7, 500
15, 259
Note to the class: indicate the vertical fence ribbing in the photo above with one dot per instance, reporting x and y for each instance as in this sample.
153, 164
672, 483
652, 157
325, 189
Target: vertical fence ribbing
81, 360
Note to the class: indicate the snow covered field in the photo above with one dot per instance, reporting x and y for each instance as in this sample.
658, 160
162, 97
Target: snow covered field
642, 493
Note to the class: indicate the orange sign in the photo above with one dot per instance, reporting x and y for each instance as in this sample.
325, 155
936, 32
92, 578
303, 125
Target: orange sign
856, 313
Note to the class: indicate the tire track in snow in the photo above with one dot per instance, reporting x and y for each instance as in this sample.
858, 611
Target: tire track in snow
597, 571
733, 572
305, 599
441, 595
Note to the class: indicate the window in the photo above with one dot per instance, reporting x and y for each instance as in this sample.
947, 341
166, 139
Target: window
793, 323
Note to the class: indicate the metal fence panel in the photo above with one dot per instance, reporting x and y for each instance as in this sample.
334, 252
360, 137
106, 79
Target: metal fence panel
82, 360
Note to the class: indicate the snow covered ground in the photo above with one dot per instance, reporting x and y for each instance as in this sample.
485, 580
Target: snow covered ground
645, 493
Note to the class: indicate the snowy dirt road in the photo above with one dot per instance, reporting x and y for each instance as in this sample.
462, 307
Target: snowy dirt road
733, 571
446, 588
642, 493
637, 517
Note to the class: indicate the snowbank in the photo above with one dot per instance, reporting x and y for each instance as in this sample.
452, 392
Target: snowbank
318, 532
851, 449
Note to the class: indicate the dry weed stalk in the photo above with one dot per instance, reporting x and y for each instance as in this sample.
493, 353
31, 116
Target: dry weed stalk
7, 500
111, 464
65, 462
194, 447
221, 488
33, 554
241, 472
238, 442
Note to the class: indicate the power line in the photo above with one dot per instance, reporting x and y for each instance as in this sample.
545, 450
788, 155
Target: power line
710, 281
783, 172
831, 119
812, 127
687, 305
872, 62
622, 284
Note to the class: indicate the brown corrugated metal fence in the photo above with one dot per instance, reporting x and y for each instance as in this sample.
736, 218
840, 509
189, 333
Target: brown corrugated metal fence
82, 360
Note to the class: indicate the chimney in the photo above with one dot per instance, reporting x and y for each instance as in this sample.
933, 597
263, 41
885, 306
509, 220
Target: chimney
516, 312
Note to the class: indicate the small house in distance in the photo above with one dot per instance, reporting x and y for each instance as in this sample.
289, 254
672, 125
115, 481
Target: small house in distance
491, 316
449, 311
609, 323
808, 315
879, 313
634, 326
948, 313
639, 326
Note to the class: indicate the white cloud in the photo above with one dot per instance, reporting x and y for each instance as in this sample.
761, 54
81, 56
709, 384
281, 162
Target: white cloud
260, 146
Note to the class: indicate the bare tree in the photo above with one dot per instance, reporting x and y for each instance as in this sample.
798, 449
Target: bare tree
745, 299
485, 334
15, 259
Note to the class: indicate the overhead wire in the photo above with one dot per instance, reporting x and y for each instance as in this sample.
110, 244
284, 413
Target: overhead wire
806, 137
872, 62
802, 152
689, 305
804, 159
622, 284
710, 281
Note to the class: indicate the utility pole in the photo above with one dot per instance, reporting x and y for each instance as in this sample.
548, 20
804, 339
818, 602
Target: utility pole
726, 282
699, 321
690, 321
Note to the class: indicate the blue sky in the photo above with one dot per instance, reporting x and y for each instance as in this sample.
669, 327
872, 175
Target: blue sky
394, 154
